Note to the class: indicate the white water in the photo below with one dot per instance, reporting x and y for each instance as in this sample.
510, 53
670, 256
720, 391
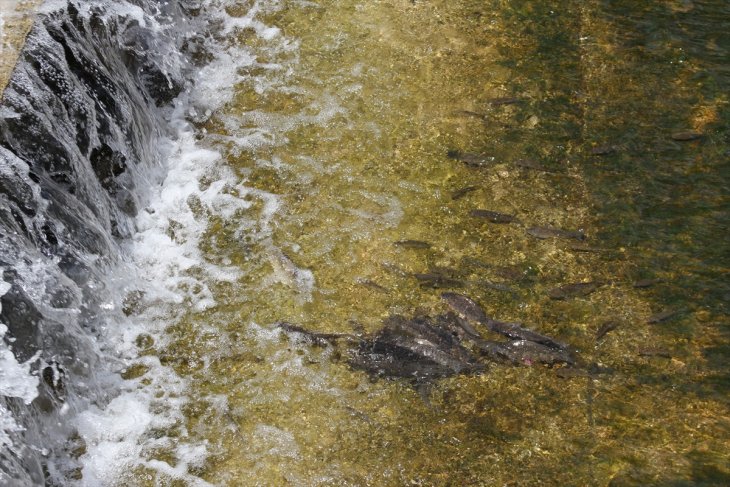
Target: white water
171, 275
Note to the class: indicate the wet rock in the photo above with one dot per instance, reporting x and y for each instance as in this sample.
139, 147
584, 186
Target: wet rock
574, 290
552, 232
493, 216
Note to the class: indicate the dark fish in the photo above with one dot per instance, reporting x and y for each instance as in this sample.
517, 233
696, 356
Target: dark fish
586, 248
573, 290
663, 316
496, 286
471, 159
507, 100
460, 193
517, 331
513, 273
569, 373
372, 285
460, 327
416, 349
469, 113
605, 328
457, 326
654, 352
412, 244
466, 307
394, 269
603, 150
644, 283
528, 352
530, 164
686, 136
493, 216
550, 232
319, 339
438, 280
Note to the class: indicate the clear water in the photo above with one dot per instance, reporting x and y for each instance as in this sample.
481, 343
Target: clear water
333, 145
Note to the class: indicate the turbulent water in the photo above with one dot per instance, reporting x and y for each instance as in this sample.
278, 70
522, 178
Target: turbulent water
178, 177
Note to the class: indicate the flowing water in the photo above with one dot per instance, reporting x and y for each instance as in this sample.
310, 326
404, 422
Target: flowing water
312, 137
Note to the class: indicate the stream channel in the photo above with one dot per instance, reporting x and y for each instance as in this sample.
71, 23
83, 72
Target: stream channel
324, 171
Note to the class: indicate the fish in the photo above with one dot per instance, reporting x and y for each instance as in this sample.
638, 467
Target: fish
528, 352
438, 280
518, 332
586, 248
572, 290
318, 339
663, 316
416, 349
460, 193
369, 283
654, 352
605, 328
687, 136
644, 283
550, 232
469, 113
493, 216
603, 150
471, 159
507, 100
466, 307
530, 164
412, 244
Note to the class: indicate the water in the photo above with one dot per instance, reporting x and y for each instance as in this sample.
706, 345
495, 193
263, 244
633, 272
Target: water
314, 137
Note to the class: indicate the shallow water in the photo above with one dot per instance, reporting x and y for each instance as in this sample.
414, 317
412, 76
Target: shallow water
338, 134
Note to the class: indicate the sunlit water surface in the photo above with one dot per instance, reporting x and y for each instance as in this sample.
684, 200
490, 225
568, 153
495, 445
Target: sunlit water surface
339, 131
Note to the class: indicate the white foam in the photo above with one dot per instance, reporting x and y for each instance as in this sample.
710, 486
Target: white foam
167, 268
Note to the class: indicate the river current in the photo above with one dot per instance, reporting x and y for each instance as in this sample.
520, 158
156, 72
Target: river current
179, 178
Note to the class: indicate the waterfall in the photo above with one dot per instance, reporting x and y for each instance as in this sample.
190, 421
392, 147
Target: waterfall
81, 125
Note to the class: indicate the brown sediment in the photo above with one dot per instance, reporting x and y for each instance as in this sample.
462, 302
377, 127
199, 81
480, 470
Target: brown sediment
18, 19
